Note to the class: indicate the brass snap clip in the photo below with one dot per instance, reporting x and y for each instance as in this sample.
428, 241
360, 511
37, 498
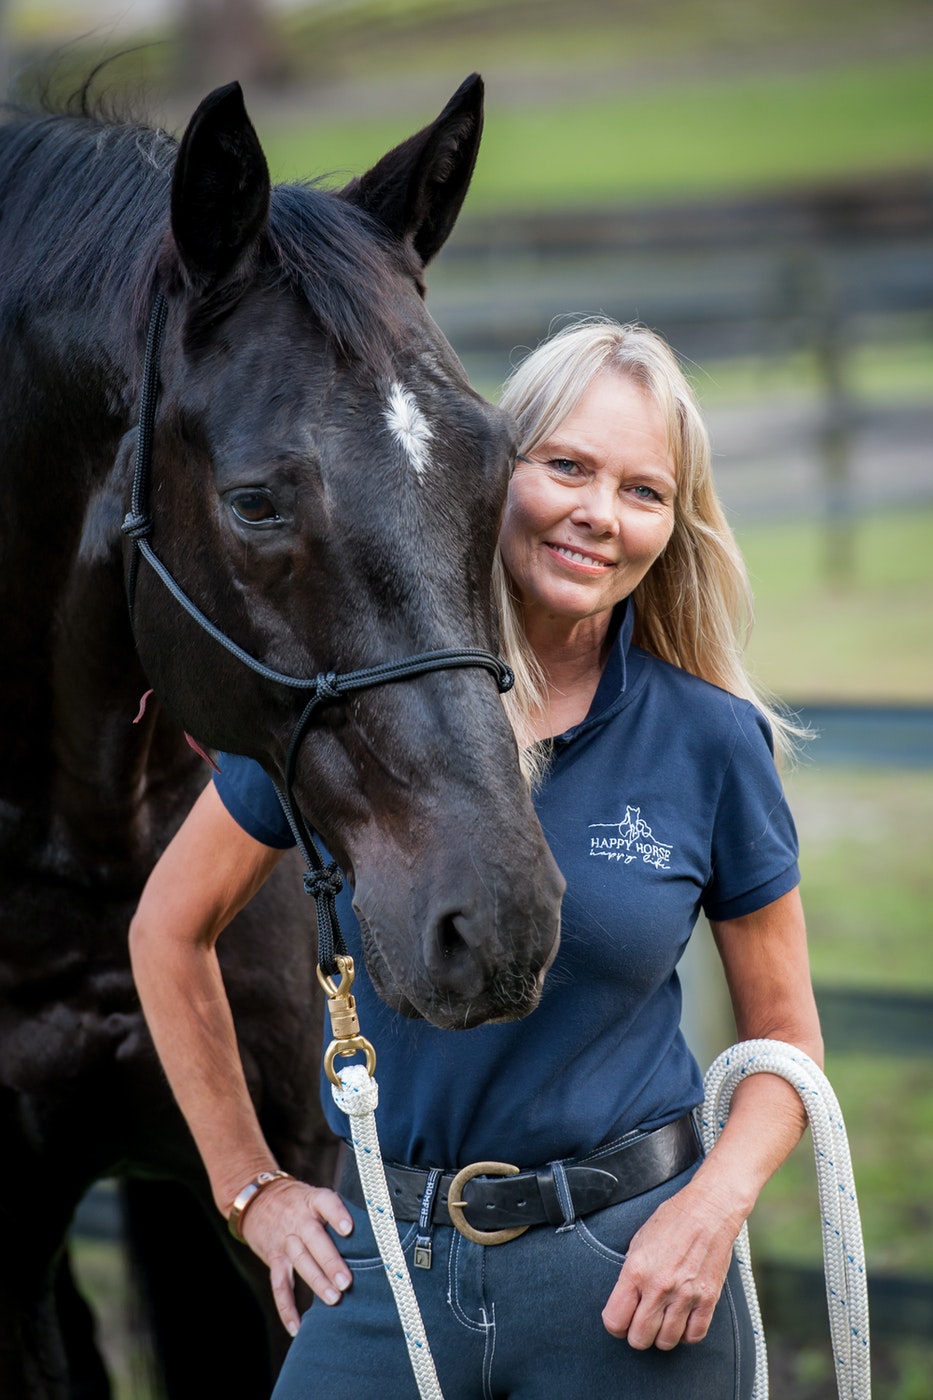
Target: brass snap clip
456, 1206
344, 1022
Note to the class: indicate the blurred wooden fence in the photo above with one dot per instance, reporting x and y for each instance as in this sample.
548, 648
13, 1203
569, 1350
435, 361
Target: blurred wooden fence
748, 275
819, 271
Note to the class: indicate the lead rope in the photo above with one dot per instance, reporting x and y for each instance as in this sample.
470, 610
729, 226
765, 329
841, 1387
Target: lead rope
843, 1251
358, 1096
356, 1093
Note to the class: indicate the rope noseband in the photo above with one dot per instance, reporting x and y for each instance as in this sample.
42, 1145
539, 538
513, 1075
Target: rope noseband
322, 881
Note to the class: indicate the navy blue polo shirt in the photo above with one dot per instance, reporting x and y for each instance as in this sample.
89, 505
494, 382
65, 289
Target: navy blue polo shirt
664, 801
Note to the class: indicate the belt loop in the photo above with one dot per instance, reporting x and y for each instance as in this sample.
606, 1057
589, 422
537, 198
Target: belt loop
424, 1249
556, 1176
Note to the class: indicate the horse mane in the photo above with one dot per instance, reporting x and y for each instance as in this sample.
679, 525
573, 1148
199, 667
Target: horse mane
334, 255
91, 215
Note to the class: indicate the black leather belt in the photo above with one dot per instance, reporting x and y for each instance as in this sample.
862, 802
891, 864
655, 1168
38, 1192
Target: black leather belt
491, 1202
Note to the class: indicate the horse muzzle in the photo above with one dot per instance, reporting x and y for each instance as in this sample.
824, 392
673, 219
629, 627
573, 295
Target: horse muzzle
465, 969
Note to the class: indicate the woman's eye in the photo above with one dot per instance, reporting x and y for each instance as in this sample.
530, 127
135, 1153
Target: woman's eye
254, 507
562, 465
646, 493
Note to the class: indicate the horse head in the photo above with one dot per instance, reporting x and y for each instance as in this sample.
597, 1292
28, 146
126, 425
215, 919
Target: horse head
327, 489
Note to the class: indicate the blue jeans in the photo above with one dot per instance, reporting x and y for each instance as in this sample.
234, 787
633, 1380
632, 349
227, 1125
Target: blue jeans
518, 1321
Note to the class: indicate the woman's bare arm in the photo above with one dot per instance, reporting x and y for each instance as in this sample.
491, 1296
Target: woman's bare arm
678, 1261
206, 875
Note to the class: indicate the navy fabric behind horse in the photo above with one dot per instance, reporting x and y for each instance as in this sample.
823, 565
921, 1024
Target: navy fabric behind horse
327, 488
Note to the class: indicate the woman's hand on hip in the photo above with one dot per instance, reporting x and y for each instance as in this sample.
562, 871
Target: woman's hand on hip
673, 1274
287, 1228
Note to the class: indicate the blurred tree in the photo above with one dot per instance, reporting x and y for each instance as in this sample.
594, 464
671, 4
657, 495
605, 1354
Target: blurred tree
227, 39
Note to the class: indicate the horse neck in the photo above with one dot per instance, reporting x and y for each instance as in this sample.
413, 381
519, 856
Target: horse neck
96, 794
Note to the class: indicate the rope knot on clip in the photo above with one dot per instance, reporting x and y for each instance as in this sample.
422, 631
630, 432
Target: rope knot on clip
358, 1093
506, 679
321, 883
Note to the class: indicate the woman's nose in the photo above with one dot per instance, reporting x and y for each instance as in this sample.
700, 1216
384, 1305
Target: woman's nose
597, 509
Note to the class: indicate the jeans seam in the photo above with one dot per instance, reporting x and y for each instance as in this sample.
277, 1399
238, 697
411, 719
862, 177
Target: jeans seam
453, 1293
489, 1353
736, 1337
612, 1256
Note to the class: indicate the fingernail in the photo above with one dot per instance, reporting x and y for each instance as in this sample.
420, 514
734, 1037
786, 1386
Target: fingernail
343, 1282
345, 1226
331, 1297
292, 1329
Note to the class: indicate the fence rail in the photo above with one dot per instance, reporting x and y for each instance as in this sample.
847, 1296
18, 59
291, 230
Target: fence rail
862, 1021
889, 736
793, 1298
717, 277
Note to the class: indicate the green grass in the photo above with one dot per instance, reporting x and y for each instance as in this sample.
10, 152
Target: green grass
695, 137
565, 45
867, 879
869, 639
617, 102
102, 1269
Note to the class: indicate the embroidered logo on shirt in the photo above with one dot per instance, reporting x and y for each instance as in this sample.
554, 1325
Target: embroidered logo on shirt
630, 839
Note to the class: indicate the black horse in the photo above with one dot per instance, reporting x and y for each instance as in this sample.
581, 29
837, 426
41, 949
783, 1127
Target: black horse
326, 488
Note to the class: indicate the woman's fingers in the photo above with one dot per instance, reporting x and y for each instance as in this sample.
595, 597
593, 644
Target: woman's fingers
658, 1319
672, 1277
282, 1279
319, 1265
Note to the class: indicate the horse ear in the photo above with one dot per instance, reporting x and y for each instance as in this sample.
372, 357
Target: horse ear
417, 189
220, 188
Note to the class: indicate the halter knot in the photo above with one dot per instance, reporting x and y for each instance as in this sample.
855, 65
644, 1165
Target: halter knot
326, 686
320, 883
506, 678
136, 524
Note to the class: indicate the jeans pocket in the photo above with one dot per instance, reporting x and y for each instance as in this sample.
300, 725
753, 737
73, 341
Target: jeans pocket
606, 1234
609, 1232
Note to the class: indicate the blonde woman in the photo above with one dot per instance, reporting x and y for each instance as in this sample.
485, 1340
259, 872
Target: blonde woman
623, 603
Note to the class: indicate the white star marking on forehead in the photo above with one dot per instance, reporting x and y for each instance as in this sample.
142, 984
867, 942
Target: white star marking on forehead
409, 427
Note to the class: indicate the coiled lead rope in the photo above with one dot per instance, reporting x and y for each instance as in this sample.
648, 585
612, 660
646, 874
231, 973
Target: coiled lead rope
843, 1251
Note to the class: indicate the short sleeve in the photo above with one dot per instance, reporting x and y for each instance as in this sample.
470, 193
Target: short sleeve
249, 795
754, 843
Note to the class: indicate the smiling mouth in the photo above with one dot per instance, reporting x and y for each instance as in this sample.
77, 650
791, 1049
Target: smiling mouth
576, 556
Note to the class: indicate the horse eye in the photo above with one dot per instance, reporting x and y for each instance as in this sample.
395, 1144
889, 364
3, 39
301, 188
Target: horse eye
254, 507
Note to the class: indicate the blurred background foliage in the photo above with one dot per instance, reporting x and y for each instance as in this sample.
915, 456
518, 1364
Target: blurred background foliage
655, 112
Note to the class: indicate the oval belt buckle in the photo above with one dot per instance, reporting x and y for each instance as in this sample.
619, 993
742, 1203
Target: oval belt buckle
456, 1206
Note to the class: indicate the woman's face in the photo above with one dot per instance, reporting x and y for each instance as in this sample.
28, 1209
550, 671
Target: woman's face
593, 508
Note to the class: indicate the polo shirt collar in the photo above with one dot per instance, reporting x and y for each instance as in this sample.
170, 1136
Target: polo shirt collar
614, 679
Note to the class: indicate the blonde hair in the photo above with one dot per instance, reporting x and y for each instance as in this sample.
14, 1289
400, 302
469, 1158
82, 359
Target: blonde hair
694, 607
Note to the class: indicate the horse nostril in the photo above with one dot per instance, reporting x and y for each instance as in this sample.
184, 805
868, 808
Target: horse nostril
449, 941
453, 962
